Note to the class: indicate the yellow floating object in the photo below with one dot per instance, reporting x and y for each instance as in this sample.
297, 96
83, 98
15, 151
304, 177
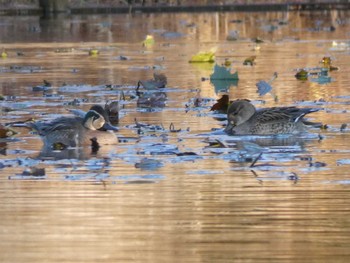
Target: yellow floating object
94, 52
227, 63
208, 56
149, 41
4, 54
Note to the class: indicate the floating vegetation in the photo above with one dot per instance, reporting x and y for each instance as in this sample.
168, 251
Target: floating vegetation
265, 87
222, 104
249, 61
327, 63
203, 56
149, 41
302, 74
94, 52
3, 54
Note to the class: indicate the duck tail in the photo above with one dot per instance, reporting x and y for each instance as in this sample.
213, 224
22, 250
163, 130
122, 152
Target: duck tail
304, 112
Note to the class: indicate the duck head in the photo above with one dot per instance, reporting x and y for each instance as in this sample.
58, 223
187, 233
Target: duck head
239, 112
106, 126
93, 120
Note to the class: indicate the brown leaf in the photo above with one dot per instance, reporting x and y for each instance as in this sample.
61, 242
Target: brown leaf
222, 104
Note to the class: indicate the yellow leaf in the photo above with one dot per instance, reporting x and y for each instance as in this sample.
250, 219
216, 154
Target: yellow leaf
208, 56
4, 54
94, 52
149, 41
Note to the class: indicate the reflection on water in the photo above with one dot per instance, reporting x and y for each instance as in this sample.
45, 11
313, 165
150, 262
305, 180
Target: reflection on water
173, 189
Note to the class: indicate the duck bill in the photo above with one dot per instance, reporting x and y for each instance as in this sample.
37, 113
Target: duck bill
109, 127
229, 128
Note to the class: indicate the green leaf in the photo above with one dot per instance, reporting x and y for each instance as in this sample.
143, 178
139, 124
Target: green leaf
223, 73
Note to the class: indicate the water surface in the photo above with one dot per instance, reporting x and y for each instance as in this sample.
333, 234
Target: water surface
162, 196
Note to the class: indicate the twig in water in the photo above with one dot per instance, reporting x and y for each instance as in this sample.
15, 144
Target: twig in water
256, 159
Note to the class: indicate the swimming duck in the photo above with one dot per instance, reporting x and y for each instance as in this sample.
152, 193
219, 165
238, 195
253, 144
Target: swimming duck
159, 82
77, 131
244, 119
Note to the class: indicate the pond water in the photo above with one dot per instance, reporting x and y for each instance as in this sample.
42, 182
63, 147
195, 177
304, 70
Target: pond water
165, 193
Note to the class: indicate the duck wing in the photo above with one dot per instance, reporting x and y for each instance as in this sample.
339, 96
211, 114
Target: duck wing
282, 114
60, 124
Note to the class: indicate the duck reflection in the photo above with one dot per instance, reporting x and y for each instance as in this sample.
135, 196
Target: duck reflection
151, 99
74, 153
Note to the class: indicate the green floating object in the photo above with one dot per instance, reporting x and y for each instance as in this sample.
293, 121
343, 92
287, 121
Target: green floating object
223, 73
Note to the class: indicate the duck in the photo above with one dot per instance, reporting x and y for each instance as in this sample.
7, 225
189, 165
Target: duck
159, 82
77, 131
244, 119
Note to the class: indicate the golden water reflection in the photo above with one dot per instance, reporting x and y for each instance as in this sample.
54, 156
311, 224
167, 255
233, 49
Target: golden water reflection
210, 207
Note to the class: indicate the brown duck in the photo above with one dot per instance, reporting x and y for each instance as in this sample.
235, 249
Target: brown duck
244, 119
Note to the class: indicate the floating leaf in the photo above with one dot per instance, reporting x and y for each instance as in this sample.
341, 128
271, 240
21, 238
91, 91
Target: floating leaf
94, 52
223, 79
249, 61
223, 73
327, 63
263, 87
302, 74
149, 41
4, 54
221, 104
223, 85
208, 56
227, 63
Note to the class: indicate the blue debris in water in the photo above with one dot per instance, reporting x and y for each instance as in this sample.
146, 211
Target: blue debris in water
149, 164
263, 87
